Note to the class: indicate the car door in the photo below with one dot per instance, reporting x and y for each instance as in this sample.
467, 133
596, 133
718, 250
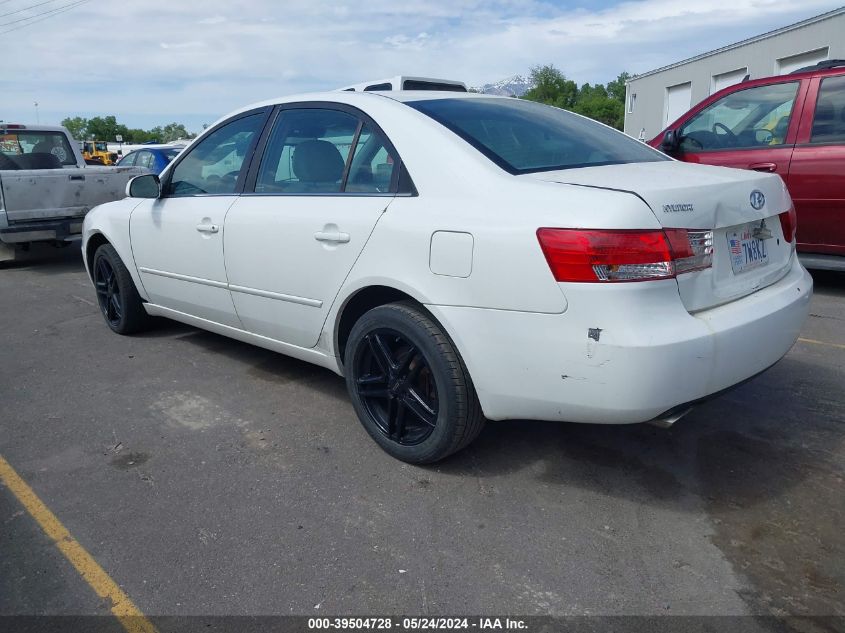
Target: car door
816, 178
749, 128
326, 176
177, 239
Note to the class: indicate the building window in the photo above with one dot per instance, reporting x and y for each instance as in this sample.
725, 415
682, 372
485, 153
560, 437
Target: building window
632, 99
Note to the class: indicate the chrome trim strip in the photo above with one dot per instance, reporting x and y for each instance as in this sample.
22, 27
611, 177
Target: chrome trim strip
196, 280
314, 303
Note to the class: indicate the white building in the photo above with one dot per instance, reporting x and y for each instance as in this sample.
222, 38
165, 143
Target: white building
656, 98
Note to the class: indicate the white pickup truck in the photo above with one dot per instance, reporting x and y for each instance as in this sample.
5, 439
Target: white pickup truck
46, 188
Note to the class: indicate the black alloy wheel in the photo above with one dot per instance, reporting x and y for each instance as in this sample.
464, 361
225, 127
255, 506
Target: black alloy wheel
117, 296
396, 387
408, 384
108, 292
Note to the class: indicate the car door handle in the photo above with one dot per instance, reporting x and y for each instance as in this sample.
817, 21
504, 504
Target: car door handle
72, 177
768, 167
331, 236
208, 228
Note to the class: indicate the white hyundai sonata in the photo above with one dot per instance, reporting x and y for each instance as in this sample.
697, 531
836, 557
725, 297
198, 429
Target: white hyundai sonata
460, 257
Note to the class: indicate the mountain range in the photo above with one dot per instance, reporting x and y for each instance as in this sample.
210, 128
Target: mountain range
515, 86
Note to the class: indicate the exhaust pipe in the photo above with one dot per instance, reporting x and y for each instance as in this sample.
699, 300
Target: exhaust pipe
668, 419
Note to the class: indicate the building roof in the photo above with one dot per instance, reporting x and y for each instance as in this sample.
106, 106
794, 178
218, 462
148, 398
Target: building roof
751, 40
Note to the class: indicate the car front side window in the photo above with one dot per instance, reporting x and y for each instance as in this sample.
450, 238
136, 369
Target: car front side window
214, 164
750, 118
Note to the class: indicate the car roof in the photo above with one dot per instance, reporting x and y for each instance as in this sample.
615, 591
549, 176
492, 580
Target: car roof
775, 79
155, 148
349, 97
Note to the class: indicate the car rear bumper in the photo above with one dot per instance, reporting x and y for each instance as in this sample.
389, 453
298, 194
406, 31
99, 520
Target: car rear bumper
623, 353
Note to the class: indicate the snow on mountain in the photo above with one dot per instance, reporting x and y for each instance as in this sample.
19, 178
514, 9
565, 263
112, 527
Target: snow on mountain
515, 86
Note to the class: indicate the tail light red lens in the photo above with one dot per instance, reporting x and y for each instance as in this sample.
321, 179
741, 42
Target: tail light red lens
789, 224
598, 255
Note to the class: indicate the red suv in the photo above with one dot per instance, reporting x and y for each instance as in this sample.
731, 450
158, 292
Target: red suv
792, 125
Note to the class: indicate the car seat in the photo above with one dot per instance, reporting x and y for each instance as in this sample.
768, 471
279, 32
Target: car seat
318, 165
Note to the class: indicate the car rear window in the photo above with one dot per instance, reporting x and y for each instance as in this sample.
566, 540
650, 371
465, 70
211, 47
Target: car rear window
35, 150
524, 137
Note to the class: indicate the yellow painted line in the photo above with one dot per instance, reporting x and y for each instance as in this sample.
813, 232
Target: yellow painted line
815, 342
122, 607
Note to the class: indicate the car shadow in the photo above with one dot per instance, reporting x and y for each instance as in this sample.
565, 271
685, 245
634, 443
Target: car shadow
47, 259
260, 363
829, 282
743, 448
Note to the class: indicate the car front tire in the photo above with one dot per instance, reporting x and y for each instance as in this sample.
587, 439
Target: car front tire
117, 296
409, 386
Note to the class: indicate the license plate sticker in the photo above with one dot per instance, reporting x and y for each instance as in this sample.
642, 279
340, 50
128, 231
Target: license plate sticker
747, 252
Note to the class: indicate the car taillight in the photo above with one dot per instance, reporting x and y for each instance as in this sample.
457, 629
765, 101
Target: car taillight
789, 224
590, 255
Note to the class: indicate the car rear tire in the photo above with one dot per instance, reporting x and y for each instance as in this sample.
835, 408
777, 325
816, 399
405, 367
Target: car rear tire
409, 386
117, 296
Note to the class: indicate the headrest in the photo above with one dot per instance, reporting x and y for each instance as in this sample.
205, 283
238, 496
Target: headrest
317, 161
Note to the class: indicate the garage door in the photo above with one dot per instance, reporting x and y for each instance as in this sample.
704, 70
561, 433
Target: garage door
723, 80
786, 65
677, 102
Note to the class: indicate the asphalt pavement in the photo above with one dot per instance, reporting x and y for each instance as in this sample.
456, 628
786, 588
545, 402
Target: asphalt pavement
209, 477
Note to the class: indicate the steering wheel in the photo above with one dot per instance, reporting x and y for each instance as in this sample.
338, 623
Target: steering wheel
692, 141
727, 130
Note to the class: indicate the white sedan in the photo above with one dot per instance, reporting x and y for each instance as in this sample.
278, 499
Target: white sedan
460, 257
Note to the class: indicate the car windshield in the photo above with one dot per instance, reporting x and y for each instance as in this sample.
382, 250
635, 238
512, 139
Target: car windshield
523, 137
170, 154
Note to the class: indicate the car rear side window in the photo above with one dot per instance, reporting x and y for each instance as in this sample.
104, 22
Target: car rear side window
829, 122
524, 137
144, 159
213, 165
307, 152
372, 166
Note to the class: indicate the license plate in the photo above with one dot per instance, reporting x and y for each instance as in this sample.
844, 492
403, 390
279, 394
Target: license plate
746, 252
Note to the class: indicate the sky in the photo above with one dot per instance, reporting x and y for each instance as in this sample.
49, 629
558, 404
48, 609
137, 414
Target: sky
153, 62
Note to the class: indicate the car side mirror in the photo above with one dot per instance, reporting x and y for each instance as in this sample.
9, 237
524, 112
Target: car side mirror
146, 186
671, 142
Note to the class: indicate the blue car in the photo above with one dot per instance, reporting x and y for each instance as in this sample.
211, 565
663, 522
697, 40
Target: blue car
154, 158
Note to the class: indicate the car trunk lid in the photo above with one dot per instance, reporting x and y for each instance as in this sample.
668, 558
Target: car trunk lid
749, 250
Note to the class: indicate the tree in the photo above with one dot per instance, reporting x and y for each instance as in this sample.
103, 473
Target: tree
170, 132
616, 88
608, 111
551, 87
605, 103
77, 126
107, 129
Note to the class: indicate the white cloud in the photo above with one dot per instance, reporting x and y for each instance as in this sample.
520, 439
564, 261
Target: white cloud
195, 61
